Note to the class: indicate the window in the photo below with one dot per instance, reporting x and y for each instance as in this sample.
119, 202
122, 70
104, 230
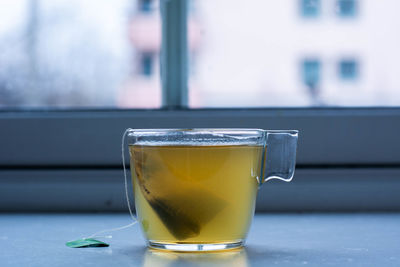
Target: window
347, 8
311, 72
108, 56
348, 70
145, 6
310, 8
311, 78
87, 70
147, 64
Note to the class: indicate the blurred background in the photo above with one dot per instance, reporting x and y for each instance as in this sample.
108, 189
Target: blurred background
257, 53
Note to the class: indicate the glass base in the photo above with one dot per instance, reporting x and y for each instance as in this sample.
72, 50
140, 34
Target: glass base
196, 247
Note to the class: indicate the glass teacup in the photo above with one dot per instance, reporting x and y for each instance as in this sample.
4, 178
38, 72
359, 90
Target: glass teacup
195, 189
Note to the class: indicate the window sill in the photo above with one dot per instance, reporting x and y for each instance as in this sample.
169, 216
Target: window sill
277, 239
91, 190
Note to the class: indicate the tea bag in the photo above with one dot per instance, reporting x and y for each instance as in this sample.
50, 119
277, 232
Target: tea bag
183, 213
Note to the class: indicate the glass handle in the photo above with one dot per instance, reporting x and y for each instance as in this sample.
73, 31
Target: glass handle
280, 155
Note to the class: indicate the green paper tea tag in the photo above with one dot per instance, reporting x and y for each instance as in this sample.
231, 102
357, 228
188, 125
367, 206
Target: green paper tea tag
86, 243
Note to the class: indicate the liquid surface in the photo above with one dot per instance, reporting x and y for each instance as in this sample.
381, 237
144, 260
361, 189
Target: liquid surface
195, 194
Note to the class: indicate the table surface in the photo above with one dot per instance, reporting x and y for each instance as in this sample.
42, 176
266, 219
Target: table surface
274, 240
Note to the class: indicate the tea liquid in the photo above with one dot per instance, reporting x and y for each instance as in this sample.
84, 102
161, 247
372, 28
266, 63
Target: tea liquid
195, 194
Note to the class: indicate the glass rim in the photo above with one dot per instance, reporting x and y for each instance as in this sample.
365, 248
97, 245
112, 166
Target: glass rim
201, 136
208, 130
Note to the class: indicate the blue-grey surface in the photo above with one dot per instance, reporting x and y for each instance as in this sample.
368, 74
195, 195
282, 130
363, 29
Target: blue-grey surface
274, 240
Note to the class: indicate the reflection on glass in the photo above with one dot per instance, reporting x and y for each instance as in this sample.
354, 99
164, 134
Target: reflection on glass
234, 258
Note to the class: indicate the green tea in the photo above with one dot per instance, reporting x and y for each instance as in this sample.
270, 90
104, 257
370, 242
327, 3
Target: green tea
195, 194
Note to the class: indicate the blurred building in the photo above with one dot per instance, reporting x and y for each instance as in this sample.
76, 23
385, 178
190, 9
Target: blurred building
347, 54
299, 53
143, 90
295, 53
273, 53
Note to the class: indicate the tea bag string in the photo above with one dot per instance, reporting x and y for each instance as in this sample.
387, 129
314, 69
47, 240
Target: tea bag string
126, 195
125, 177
